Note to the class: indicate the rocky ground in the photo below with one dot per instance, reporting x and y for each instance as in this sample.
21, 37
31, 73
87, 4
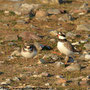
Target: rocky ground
38, 21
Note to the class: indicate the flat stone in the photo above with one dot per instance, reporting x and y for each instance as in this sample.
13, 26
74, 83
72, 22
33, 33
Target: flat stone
53, 11
60, 81
16, 0
16, 79
85, 27
41, 14
11, 37
87, 56
73, 67
70, 34
66, 18
41, 61
53, 32
26, 35
87, 46
51, 1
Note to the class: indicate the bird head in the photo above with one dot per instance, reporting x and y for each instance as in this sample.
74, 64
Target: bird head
61, 35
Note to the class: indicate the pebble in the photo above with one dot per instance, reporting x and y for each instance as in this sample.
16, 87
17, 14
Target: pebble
60, 81
52, 40
11, 43
41, 14
66, 18
87, 46
73, 67
16, 0
41, 61
85, 27
83, 41
26, 35
70, 34
6, 12
11, 37
59, 76
47, 84
53, 32
87, 56
45, 74
76, 43
7, 82
52, 56
17, 12
53, 11
52, 1
58, 64
64, 84
20, 22
16, 79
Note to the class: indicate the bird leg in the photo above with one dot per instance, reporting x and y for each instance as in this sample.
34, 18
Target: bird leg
66, 59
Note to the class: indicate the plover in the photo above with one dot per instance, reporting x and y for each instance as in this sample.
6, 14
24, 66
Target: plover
64, 46
29, 51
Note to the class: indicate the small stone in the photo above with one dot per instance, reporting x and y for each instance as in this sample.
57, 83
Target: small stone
17, 13
87, 46
45, 74
51, 1
26, 35
53, 11
53, 32
20, 22
7, 82
52, 40
87, 56
41, 14
85, 27
27, 8
76, 43
58, 64
64, 84
60, 81
41, 61
73, 67
6, 12
11, 37
16, 0
16, 79
11, 43
83, 41
47, 84
70, 34
59, 76
66, 18
10, 57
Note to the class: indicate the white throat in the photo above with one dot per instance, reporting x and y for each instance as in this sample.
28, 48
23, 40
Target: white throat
61, 37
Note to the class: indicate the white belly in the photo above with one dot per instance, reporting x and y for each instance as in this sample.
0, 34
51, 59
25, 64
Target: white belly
63, 49
28, 55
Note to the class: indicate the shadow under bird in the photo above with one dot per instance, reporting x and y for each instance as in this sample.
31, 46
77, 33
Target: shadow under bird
64, 46
29, 51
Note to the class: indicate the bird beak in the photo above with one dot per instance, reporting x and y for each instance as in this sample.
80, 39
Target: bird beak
57, 35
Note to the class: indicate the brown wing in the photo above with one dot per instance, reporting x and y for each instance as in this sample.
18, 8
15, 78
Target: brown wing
69, 46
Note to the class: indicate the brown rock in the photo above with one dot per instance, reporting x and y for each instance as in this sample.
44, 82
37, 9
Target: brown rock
60, 81
41, 13
26, 35
11, 37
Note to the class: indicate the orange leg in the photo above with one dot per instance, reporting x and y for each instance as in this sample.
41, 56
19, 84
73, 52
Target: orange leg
66, 59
